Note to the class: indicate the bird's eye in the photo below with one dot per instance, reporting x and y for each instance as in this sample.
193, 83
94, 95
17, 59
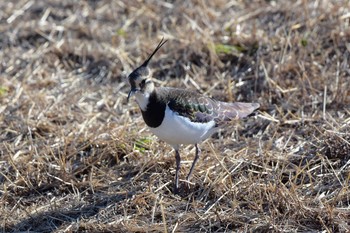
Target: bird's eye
143, 82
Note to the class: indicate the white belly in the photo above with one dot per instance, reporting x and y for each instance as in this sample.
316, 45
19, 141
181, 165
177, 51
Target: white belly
177, 130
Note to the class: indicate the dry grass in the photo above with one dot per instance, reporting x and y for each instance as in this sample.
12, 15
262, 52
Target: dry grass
76, 157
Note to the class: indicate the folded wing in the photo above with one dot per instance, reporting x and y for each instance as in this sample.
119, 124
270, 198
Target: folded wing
203, 109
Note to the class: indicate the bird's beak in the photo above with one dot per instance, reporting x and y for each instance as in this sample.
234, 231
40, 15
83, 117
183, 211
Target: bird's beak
131, 93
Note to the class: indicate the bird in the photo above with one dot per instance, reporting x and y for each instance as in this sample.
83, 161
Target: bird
181, 116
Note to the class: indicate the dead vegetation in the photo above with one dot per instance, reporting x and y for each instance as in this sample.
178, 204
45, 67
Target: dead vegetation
74, 156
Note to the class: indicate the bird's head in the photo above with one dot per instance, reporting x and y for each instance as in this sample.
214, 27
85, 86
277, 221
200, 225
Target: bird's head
140, 79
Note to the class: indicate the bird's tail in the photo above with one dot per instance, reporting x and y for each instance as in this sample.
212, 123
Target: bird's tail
239, 109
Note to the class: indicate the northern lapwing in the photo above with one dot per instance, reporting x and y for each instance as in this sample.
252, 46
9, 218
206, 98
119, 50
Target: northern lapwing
179, 116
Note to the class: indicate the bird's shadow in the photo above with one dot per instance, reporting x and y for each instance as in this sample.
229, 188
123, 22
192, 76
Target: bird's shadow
50, 221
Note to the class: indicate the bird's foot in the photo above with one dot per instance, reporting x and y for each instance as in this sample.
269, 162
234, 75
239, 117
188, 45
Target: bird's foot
182, 190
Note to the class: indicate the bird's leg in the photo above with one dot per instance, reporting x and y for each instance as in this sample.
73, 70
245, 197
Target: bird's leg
178, 160
198, 151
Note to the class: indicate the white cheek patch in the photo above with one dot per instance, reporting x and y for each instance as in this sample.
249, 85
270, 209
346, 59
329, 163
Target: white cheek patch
142, 100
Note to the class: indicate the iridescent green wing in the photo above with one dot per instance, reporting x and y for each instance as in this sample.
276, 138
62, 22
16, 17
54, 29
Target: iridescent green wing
196, 108
203, 109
